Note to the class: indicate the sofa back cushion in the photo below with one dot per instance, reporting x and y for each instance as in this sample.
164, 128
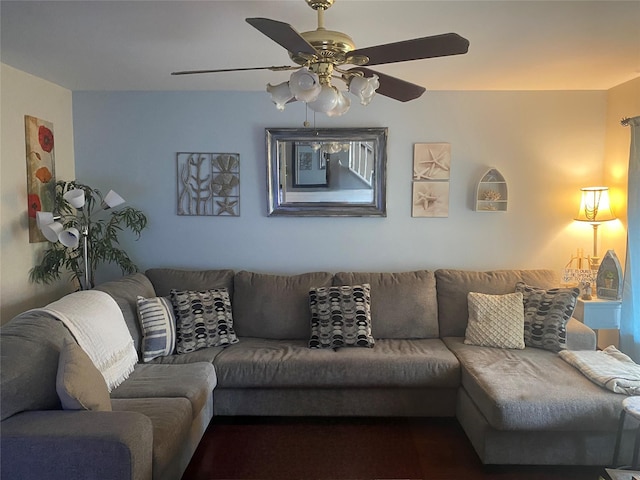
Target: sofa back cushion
454, 286
30, 345
274, 306
166, 279
403, 305
125, 292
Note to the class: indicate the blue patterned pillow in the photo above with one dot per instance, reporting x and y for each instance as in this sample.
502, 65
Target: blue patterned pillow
546, 313
341, 316
158, 325
203, 319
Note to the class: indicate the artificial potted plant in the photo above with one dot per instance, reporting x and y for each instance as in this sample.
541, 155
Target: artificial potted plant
97, 233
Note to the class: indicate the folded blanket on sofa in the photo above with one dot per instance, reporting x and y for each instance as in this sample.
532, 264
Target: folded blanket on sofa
96, 321
609, 368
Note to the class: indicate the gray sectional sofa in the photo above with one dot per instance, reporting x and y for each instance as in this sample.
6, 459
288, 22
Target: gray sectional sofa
516, 406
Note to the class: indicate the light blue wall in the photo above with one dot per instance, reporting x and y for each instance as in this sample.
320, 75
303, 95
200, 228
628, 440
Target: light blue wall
546, 144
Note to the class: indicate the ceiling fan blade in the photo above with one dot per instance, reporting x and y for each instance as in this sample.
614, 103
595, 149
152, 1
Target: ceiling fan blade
220, 70
393, 87
416, 49
283, 34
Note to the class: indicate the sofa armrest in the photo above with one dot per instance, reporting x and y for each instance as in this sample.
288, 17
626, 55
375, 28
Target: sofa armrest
579, 336
77, 445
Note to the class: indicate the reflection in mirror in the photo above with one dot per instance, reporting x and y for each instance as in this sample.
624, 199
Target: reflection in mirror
327, 172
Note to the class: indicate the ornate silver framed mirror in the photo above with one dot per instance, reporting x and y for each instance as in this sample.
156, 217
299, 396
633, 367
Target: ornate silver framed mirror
327, 172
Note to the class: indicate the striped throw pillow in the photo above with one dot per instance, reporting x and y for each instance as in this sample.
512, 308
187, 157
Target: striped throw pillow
158, 324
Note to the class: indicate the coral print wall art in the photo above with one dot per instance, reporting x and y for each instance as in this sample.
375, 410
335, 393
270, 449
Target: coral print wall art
41, 181
208, 184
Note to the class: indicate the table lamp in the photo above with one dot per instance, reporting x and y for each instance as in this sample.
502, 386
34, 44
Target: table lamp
595, 209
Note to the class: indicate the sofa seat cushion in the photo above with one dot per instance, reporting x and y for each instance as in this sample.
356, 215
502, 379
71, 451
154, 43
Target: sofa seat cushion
202, 355
263, 363
194, 382
171, 419
533, 389
403, 305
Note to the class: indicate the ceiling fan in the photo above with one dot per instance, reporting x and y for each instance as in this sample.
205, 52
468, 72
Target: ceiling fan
322, 54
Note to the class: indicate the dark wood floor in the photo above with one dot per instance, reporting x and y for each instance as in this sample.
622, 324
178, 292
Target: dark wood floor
243, 448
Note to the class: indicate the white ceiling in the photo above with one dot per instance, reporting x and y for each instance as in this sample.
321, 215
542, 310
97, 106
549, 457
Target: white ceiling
134, 45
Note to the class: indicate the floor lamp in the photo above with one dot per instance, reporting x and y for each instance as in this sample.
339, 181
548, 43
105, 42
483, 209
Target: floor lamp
595, 209
53, 229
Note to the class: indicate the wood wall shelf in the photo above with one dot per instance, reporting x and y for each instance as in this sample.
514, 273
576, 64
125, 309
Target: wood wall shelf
491, 193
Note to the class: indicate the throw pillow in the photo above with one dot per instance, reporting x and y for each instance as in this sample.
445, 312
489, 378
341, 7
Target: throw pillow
79, 384
158, 324
341, 316
495, 320
203, 319
546, 313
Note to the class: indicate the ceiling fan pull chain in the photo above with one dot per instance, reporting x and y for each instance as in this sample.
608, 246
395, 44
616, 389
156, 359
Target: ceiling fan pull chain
306, 115
306, 123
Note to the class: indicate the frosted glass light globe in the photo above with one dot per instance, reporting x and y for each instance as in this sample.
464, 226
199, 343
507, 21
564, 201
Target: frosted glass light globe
364, 88
326, 101
280, 94
342, 106
305, 85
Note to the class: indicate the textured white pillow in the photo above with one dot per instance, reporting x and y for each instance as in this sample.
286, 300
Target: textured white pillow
495, 320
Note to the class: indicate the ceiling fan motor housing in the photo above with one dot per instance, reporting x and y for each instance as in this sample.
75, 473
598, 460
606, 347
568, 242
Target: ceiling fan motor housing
319, 4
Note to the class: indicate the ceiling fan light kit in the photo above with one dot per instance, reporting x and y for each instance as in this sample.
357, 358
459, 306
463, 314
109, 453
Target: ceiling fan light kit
321, 53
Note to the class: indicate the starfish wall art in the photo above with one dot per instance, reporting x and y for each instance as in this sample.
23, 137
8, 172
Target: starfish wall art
431, 173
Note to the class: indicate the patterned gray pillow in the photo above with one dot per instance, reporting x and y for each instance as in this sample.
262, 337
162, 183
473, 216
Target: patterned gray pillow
546, 313
203, 319
341, 316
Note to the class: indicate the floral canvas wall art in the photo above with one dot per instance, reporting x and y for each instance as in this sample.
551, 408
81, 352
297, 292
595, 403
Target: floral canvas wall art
41, 180
208, 184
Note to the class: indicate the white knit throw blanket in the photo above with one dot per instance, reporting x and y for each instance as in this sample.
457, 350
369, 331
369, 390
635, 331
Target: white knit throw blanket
96, 321
609, 368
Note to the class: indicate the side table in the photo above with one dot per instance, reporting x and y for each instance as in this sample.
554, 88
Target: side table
599, 313
631, 407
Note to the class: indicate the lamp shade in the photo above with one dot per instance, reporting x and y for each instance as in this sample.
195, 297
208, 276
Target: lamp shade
43, 218
75, 197
594, 206
111, 200
280, 94
51, 231
69, 237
